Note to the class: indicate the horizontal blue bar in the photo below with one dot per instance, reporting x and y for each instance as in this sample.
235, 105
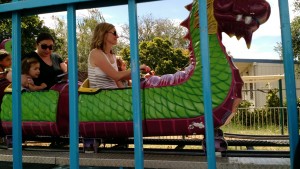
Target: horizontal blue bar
84, 4
30, 4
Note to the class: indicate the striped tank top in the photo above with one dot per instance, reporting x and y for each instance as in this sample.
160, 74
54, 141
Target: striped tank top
98, 79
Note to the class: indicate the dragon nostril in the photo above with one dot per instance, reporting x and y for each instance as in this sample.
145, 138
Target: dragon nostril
248, 20
239, 17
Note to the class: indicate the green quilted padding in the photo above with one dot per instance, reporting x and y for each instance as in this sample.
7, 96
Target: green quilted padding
36, 106
107, 105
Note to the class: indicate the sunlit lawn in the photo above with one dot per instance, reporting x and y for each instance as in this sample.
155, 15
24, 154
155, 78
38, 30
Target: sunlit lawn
255, 130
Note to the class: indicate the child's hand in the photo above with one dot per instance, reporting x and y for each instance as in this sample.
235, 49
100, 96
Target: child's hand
43, 85
149, 74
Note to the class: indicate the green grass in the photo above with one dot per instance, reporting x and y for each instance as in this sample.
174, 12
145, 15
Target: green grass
254, 130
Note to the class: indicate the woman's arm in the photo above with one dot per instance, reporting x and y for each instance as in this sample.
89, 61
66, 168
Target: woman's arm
120, 84
98, 59
64, 66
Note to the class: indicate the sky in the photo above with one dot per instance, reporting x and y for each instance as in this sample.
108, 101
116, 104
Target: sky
263, 42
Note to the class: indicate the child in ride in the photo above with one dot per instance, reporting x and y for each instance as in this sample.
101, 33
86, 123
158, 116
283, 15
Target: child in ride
30, 70
5, 62
122, 67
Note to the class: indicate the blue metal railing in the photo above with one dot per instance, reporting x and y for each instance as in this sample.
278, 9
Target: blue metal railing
288, 60
135, 74
17, 117
204, 46
73, 87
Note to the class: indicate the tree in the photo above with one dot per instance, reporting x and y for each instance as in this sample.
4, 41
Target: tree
85, 27
297, 5
61, 32
162, 44
149, 28
295, 26
160, 56
31, 26
167, 60
278, 49
272, 98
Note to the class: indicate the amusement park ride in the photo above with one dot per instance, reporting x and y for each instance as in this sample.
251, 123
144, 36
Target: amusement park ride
172, 104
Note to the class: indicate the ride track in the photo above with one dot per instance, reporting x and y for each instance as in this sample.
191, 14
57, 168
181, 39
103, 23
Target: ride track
240, 146
171, 104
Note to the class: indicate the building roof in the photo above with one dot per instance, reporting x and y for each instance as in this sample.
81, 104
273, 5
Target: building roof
262, 78
244, 64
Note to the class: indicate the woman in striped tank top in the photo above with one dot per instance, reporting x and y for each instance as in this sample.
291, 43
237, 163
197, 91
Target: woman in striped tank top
102, 66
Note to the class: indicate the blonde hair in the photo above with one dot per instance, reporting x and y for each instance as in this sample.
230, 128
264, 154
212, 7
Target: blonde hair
98, 40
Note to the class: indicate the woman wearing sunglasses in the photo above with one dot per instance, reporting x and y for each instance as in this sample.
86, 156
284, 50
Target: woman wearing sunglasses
51, 65
102, 65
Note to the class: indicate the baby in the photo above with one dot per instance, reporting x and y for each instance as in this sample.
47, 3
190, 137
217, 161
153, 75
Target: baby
5, 62
30, 70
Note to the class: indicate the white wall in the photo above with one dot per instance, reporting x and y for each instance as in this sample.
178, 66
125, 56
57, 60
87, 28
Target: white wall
257, 69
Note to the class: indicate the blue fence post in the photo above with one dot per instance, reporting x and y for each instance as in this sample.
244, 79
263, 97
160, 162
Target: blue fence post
73, 87
204, 46
16, 88
135, 75
288, 60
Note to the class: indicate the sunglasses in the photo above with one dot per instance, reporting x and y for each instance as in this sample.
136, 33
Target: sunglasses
44, 46
114, 33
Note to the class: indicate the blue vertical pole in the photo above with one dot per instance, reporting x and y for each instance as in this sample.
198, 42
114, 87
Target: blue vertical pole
135, 75
288, 60
16, 88
73, 87
204, 46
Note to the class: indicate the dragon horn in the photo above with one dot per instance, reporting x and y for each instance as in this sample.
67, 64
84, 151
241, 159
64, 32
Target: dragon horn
189, 7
